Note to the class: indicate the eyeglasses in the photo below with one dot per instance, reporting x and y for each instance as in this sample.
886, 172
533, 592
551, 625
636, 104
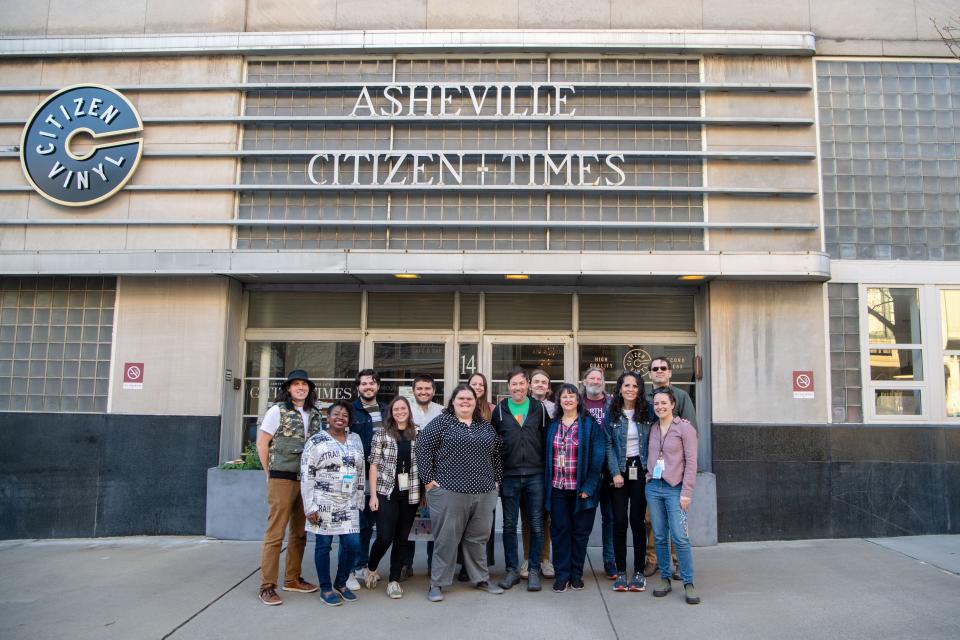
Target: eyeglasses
659, 368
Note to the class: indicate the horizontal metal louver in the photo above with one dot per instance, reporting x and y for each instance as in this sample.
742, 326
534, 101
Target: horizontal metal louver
304, 309
409, 310
528, 311
654, 312
469, 310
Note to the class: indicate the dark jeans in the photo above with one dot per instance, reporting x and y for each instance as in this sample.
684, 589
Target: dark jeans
570, 530
606, 520
630, 498
394, 521
530, 488
321, 558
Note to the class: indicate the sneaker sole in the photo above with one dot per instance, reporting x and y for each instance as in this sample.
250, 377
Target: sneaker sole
564, 590
637, 590
660, 594
299, 590
271, 604
693, 600
575, 588
331, 604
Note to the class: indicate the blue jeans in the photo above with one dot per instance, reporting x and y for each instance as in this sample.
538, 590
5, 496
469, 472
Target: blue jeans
606, 523
362, 556
570, 532
321, 557
668, 522
530, 487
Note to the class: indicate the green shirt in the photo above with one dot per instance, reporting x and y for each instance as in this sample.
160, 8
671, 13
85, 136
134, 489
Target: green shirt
519, 411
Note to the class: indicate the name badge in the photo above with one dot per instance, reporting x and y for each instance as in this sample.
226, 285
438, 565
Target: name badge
403, 481
658, 469
561, 461
632, 473
347, 482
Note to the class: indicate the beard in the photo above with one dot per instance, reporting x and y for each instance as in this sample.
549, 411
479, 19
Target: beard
593, 389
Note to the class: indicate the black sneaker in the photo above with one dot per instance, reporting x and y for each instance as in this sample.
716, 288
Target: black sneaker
405, 572
576, 584
463, 576
559, 587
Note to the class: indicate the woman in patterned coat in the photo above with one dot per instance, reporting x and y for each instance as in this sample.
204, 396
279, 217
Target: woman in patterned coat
332, 485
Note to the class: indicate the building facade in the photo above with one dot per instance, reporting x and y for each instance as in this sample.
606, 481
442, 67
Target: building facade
195, 199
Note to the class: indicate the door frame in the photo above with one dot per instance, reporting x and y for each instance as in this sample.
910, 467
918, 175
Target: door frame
433, 336
566, 339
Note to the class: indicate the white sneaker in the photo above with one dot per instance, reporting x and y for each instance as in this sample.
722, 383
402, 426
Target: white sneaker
546, 569
361, 575
352, 583
394, 590
524, 569
371, 579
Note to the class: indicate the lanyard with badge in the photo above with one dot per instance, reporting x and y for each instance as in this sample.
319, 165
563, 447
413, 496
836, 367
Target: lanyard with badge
348, 479
564, 436
657, 473
633, 470
403, 476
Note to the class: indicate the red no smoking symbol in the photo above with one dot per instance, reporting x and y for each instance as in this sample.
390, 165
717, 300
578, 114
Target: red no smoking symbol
133, 372
803, 381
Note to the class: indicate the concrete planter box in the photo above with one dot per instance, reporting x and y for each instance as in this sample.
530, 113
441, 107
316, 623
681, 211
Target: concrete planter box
236, 504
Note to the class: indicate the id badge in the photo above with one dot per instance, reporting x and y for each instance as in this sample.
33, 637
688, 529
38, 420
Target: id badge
561, 461
403, 481
632, 473
347, 482
658, 469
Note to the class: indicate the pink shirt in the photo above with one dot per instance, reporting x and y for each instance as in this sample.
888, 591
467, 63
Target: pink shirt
679, 449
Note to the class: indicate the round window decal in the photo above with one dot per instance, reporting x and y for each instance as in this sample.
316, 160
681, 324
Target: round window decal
63, 171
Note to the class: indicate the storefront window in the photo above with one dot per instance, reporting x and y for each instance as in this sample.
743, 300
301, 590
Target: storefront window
399, 362
331, 365
895, 350
548, 357
614, 359
950, 310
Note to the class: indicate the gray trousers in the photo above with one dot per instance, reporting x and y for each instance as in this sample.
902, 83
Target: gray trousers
460, 516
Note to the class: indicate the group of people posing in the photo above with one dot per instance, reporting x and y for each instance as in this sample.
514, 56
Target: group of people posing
553, 463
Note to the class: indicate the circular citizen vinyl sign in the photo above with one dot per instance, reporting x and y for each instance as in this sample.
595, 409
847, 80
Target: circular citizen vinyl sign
77, 178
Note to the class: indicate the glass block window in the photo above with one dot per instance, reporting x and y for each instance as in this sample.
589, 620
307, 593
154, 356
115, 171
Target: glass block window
846, 391
55, 339
890, 152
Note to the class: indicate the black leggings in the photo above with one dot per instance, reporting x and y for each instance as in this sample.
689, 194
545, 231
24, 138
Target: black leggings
394, 521
631, 495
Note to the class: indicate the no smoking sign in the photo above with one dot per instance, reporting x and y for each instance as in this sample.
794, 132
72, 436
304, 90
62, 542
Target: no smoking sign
133, 375
803, 385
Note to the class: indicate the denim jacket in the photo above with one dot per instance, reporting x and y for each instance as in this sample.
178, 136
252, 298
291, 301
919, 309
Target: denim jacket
617, 442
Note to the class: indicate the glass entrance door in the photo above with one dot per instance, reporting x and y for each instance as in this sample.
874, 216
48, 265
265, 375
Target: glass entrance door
400, 359
552, 354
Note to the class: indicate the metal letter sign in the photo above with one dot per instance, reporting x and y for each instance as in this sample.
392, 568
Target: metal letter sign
80, 179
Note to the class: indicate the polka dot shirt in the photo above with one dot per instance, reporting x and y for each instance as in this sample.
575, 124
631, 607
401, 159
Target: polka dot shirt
460, 458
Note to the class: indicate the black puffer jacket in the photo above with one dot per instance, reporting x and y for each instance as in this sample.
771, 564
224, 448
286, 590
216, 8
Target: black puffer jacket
523, 447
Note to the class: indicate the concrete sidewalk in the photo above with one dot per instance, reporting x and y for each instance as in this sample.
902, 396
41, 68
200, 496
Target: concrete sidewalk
128, 588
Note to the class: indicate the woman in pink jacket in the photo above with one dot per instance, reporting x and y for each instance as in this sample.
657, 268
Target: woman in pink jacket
671, 474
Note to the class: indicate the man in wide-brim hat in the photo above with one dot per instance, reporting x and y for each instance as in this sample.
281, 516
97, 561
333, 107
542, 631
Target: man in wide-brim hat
284, 430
